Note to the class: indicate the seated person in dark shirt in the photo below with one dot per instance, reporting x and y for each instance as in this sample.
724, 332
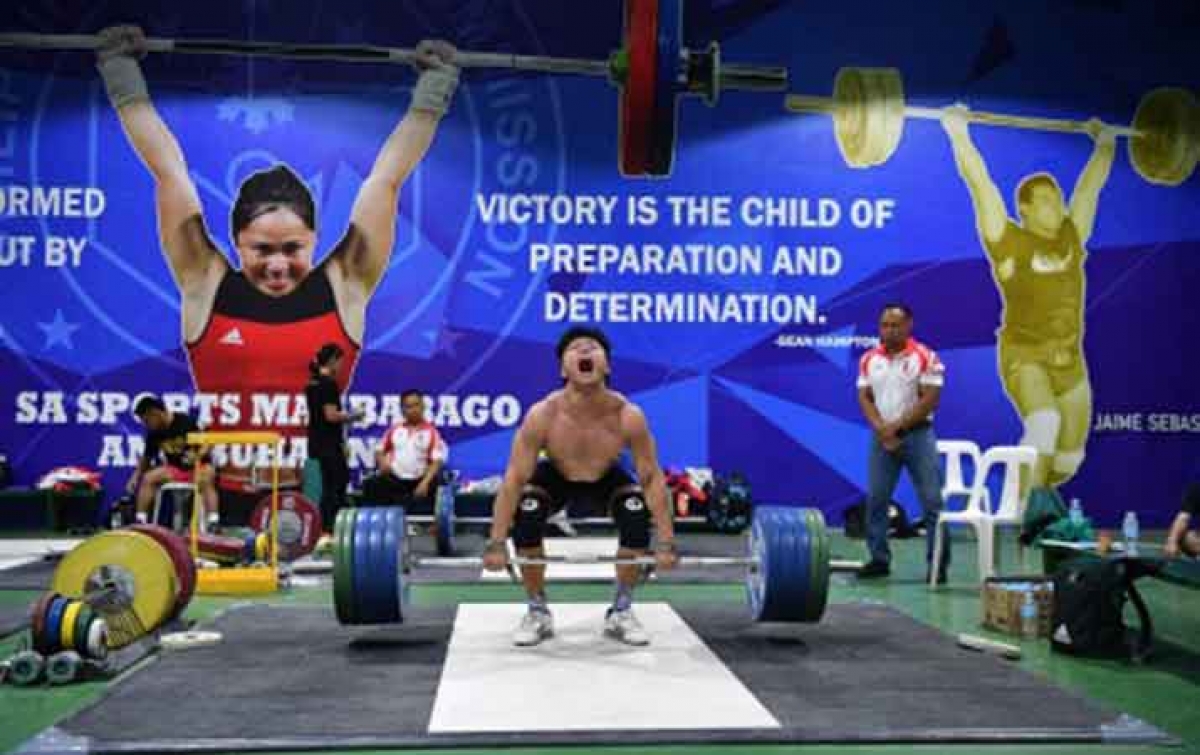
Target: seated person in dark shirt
169, 458
1180, 540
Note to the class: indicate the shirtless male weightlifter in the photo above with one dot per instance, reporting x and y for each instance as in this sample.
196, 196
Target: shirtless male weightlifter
583, 428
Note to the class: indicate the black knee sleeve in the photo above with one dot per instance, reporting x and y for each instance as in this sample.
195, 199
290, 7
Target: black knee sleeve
632, 517
529, 521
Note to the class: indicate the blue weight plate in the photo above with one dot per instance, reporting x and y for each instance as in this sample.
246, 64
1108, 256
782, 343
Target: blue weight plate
53, 631
389, 566
782, 543
362, 567
383, 581
756, 549
667, 88
445, 521
775, 577
379, 582
800, 556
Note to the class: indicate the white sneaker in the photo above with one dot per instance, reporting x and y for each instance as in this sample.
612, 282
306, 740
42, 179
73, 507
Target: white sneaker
559, 520
623, 626
535, 626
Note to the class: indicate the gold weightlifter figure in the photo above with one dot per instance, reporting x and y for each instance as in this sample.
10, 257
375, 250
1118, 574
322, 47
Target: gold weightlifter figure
1037, 263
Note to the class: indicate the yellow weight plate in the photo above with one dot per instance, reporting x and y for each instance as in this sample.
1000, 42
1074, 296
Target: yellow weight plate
132, 562
1167, 146
850, 117
868, 114
67, 636
887, 90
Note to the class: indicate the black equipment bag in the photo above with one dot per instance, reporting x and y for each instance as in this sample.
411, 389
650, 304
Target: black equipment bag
1089, 607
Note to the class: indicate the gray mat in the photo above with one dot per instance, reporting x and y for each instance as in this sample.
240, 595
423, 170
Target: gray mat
291, 678
35, 575
13, 619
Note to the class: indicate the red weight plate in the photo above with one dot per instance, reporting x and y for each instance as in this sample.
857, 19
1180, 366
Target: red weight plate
299, 524
217, 548
637, 94
37, 621
181, 556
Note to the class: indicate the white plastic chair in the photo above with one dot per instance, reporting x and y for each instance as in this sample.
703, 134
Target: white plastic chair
954, 483
182, 505
978, 511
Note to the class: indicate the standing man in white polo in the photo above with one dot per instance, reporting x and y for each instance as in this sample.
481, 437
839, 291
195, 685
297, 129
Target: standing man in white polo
899, 384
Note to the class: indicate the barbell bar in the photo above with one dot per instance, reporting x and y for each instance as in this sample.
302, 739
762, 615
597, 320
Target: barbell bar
586, 558
847, 565
324, 52
447, 520
729, 76
869, 111
652, 69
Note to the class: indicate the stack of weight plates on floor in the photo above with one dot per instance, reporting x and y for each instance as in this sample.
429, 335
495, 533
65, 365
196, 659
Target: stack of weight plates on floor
107, 593
63, 631
148, 568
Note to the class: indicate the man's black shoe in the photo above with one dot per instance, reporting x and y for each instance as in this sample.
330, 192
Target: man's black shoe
875, 569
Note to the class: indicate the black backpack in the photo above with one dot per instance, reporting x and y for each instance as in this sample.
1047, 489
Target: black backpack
1089, 606
854, 522
730, 506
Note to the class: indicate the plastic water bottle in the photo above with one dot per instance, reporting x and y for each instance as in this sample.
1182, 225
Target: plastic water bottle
1075, 513
1130, 530
1029, 615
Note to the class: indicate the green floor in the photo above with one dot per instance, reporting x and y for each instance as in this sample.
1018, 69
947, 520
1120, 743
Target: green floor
1165, 692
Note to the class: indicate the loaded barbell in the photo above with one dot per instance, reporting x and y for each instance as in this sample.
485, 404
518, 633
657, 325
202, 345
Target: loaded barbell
652, 69
869, 113
787, 565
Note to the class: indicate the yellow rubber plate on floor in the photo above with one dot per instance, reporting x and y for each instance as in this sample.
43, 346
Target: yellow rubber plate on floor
130, 561
70, 615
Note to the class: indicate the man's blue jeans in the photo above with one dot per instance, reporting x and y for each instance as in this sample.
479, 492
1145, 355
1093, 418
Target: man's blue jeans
919, 455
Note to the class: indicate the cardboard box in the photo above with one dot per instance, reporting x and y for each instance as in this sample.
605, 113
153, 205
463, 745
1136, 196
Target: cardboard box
1003, 597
